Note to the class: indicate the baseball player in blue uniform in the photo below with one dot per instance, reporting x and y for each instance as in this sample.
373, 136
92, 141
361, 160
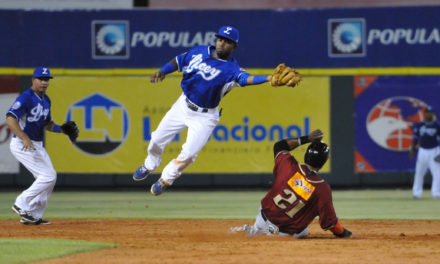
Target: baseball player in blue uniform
426, 136
27, 118
209, 73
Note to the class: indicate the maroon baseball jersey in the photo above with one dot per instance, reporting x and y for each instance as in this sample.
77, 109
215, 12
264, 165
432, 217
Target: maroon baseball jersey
297, 197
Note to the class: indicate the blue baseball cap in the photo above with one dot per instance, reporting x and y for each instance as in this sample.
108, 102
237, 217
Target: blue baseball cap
42, 72
229, 33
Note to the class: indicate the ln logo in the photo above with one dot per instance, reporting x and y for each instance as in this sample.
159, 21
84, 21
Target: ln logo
103, 123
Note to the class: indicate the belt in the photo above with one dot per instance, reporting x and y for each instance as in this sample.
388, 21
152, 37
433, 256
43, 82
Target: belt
15, 136
262, 215
194, 107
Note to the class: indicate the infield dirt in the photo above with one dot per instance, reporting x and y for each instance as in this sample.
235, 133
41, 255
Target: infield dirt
209, 241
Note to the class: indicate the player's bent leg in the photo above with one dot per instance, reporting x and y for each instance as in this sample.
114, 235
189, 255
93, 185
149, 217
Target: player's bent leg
159, 186
47, 179
198, 134
170, 125
262, 226
154, 157
34, 199
38, 194
141, 173
421, 169
435, 186
302, 234
170, 173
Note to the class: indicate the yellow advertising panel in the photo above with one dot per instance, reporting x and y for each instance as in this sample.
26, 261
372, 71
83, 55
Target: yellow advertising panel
116, 116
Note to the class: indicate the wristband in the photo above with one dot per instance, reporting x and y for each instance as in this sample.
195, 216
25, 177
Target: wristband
168, 68
56, 128
242, 79
337, 229
259, 79
303, 140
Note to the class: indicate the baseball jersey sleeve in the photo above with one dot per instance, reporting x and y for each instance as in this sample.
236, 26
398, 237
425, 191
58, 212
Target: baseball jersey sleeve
181, 59
49, 115
241, 77
19, 108
283, 160
326, 211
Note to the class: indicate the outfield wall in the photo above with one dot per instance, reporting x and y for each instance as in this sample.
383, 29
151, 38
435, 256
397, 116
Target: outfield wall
362, 67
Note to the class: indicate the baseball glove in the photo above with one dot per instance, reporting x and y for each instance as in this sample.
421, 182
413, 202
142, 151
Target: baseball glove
437, 158
284, 75
70, 129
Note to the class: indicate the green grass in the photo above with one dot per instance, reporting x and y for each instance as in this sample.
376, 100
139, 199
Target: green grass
385, 204
11, 250
352, 204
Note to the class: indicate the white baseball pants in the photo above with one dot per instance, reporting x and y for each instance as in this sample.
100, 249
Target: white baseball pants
425, 160
34, 199
265, 227
200, 126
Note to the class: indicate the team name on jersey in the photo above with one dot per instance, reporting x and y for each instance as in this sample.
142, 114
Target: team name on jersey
206, 71
428, 131
36, 113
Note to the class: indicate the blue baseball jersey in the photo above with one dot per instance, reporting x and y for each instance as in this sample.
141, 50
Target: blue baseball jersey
426, 134
32, 113
206, 79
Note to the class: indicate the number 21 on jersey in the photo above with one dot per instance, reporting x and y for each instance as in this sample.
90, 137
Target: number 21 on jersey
300, 187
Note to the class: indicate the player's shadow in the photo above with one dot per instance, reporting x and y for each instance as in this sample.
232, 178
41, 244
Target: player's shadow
328, 237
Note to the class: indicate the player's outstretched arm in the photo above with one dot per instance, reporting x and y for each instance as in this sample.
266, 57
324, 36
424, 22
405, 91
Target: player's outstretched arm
52, 127
257, 79
245, 79
170, 67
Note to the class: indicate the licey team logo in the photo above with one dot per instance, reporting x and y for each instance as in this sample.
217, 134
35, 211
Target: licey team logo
103, 124
346, 37
110, 39
390, 121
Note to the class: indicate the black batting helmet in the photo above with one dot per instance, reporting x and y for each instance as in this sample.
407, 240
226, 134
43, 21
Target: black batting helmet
316, 154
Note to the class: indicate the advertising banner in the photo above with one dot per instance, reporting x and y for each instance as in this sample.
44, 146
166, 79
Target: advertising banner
304, 38
116, 116
8, 94
386, 109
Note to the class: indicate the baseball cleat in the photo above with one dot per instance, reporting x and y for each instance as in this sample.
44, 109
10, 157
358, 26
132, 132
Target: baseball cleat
40, 221
17, 209
26, 216
141, 173
158, 187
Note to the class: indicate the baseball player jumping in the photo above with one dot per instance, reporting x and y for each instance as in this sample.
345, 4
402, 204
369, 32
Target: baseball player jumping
298, 193
27, 118
209, 73
426, 136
